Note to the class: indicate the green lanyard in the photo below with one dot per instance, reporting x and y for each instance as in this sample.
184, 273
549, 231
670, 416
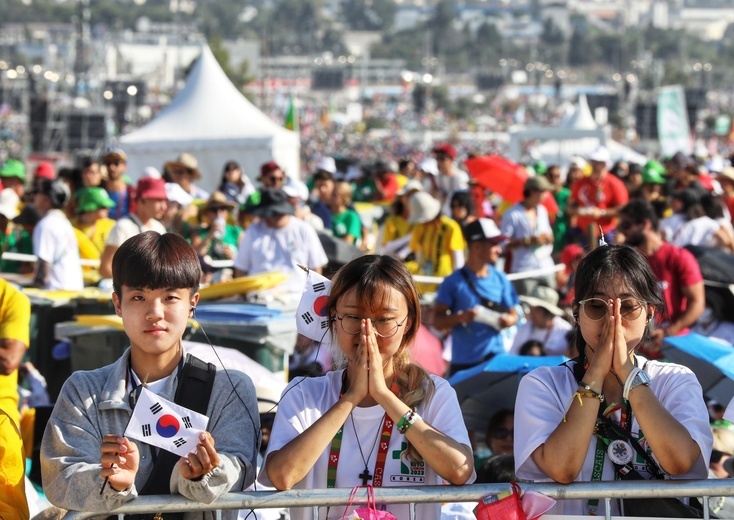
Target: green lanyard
602, 443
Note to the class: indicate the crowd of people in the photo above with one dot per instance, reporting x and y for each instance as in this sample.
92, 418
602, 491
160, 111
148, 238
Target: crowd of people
596, 261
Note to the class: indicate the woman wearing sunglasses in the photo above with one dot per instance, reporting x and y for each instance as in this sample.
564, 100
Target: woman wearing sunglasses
611, 414
381, 420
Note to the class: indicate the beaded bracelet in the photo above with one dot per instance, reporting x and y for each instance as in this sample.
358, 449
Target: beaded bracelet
589, 389
403, 422
588, 395
407, 420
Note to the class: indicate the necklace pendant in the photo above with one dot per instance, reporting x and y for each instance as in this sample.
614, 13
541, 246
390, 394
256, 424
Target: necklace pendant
365, 476
620, 452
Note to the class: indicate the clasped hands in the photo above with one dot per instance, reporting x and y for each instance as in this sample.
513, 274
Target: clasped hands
611, 353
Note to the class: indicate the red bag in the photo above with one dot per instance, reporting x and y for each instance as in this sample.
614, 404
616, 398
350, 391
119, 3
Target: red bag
366, 513
507, 508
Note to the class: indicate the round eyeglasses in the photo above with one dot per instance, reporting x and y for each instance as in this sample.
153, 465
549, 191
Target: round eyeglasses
596, 308
384, 327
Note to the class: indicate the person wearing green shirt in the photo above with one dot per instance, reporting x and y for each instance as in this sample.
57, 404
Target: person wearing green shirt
561, 193
345, 222
13, 238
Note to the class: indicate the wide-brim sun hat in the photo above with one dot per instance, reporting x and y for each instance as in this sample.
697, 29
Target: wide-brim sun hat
423, 207
218, 200
544, 297
188, 161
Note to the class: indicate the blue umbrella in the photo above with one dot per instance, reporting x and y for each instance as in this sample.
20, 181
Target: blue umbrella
492, 386
712, 363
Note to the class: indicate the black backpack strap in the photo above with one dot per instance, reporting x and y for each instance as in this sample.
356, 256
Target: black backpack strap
193, 391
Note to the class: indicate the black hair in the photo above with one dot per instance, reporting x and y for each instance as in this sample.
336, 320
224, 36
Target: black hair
607, 264
463, 197
498, 418
229, 166
323, 175
403, 163
153, 261
497, 469
640, 210
530, 345
87, 161
713, 206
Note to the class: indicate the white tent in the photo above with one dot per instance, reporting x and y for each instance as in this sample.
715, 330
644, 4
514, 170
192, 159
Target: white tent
212, 120
576, 135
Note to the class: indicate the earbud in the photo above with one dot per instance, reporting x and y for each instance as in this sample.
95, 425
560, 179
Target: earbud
192, 309
576, 315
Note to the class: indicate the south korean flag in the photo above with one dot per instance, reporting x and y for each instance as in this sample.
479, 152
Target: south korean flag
311, 318
159, 422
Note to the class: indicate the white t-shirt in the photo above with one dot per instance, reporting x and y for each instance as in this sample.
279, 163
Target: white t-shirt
306, 400
545, 393
553, 338
54, 241
697, 232
130, 226
264, 249
515, 224
670, 226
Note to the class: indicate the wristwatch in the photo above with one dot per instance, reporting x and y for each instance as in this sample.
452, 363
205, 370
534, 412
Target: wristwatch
641, 378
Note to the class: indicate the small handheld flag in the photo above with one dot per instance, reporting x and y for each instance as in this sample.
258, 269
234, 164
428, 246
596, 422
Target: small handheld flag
312, 319
159, 422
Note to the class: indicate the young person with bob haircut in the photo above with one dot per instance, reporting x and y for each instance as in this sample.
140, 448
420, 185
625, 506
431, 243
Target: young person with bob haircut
380, 420
599, 408
155, 281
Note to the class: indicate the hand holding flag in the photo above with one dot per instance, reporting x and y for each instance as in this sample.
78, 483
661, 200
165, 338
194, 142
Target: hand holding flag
159, 422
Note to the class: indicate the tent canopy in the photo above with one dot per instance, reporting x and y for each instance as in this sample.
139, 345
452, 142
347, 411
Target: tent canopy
212, 120
576, 135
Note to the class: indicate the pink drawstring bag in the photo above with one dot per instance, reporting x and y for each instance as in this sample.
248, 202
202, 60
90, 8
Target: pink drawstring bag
531, 506
366, 513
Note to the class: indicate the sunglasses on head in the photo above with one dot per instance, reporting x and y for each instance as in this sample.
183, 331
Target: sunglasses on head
502, 433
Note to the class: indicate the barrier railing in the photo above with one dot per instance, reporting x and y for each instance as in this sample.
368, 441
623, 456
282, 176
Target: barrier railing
429, 494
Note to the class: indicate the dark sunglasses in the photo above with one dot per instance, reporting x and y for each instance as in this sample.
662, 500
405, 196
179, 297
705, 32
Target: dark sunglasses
276, 179
113, 163
502, 433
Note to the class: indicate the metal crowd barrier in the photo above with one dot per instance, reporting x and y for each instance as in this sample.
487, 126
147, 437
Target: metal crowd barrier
428, 494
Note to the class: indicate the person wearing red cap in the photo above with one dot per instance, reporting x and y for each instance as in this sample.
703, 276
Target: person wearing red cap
150, 206
45, 170
271, 176
450, 178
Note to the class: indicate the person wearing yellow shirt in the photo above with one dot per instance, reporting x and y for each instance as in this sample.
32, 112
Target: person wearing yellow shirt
15, 316
437, 240
93, 216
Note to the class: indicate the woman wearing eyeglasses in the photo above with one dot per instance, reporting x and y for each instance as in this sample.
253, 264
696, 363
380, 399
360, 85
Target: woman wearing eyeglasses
611, 414
381, 420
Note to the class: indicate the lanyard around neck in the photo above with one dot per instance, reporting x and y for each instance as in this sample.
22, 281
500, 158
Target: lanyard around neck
336, 445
